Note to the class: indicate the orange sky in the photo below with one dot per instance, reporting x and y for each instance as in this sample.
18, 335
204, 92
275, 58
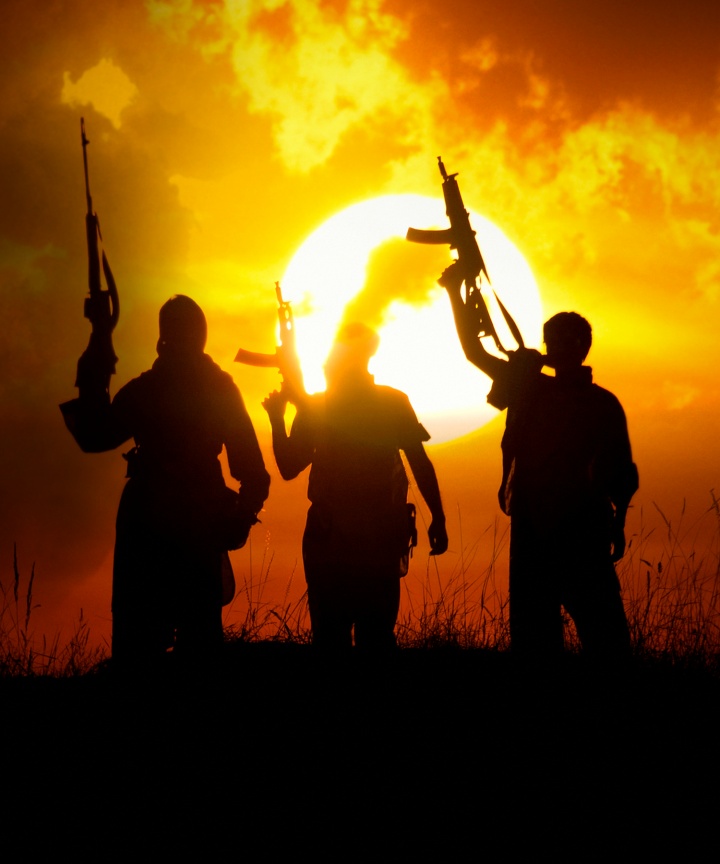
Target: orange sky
223, 134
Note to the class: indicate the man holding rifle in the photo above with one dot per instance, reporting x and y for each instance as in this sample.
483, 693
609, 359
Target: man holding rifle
360, 527
568, 474
568, 478
177, 519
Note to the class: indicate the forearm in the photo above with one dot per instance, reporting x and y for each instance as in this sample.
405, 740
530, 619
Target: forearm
469, 340
290, 461
93, 424
426, 479
253, 478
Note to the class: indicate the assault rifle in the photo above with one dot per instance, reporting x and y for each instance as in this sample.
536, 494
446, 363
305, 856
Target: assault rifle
285, 357
102, 307
461, 237
88, 416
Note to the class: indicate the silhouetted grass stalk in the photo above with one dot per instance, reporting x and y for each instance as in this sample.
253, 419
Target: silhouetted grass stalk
264, 620
670, 579
22, 653
672, 597
467, 609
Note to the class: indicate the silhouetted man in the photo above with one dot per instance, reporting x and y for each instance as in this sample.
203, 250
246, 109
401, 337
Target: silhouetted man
568, 478
177, 518
357, 535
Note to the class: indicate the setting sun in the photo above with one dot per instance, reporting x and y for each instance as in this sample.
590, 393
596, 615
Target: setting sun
358, 266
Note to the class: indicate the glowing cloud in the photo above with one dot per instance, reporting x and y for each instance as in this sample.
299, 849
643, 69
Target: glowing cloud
677, 396
318, 71
105, 86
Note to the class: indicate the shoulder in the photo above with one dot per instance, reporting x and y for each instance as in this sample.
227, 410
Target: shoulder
390, 393
395, 407
216, 376
392, 403
134, 389
609, 414
216, 387
393, 398
605, 399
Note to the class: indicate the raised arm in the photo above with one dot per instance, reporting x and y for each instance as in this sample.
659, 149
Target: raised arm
93, 424
426, 479
451, 280
292, 453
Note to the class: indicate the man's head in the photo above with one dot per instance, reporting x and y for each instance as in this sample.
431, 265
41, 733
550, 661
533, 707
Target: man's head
568, 337
183, 328
352, 349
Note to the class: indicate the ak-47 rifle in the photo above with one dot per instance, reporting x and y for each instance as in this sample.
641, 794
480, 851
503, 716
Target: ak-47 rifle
102, 307
285, 357
461, 237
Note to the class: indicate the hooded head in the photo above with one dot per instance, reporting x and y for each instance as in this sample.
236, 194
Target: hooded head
183, 328
350, 354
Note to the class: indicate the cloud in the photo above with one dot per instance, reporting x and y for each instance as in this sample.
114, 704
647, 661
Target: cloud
677, 396
674, 396
105, 86
625, 191
395, 272
317, 70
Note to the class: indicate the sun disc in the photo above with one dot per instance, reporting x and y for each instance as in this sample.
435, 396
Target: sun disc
419, 351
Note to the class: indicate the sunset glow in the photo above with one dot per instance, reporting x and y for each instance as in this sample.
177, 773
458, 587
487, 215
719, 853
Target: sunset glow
234, 144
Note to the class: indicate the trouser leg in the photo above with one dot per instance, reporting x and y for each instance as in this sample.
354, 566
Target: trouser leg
536, 628
331, 617
378, 603
142, 628
342, 598
198, 603
595, 603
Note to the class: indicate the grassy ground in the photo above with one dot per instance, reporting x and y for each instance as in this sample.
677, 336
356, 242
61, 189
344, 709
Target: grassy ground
671, 592
434, 754
445, 751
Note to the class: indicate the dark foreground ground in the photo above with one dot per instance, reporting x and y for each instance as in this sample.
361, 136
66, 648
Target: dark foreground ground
439, 755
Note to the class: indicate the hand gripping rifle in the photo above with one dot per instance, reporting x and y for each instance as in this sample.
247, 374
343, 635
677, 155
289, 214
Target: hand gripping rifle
285, 357
461, 237
102, 308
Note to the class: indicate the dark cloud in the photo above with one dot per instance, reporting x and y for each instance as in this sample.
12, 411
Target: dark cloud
56, 503
664, 56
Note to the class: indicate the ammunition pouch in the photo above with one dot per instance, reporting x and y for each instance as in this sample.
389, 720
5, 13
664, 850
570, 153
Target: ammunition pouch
411, 538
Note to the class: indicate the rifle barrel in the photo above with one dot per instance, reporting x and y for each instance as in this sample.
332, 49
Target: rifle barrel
85, 142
